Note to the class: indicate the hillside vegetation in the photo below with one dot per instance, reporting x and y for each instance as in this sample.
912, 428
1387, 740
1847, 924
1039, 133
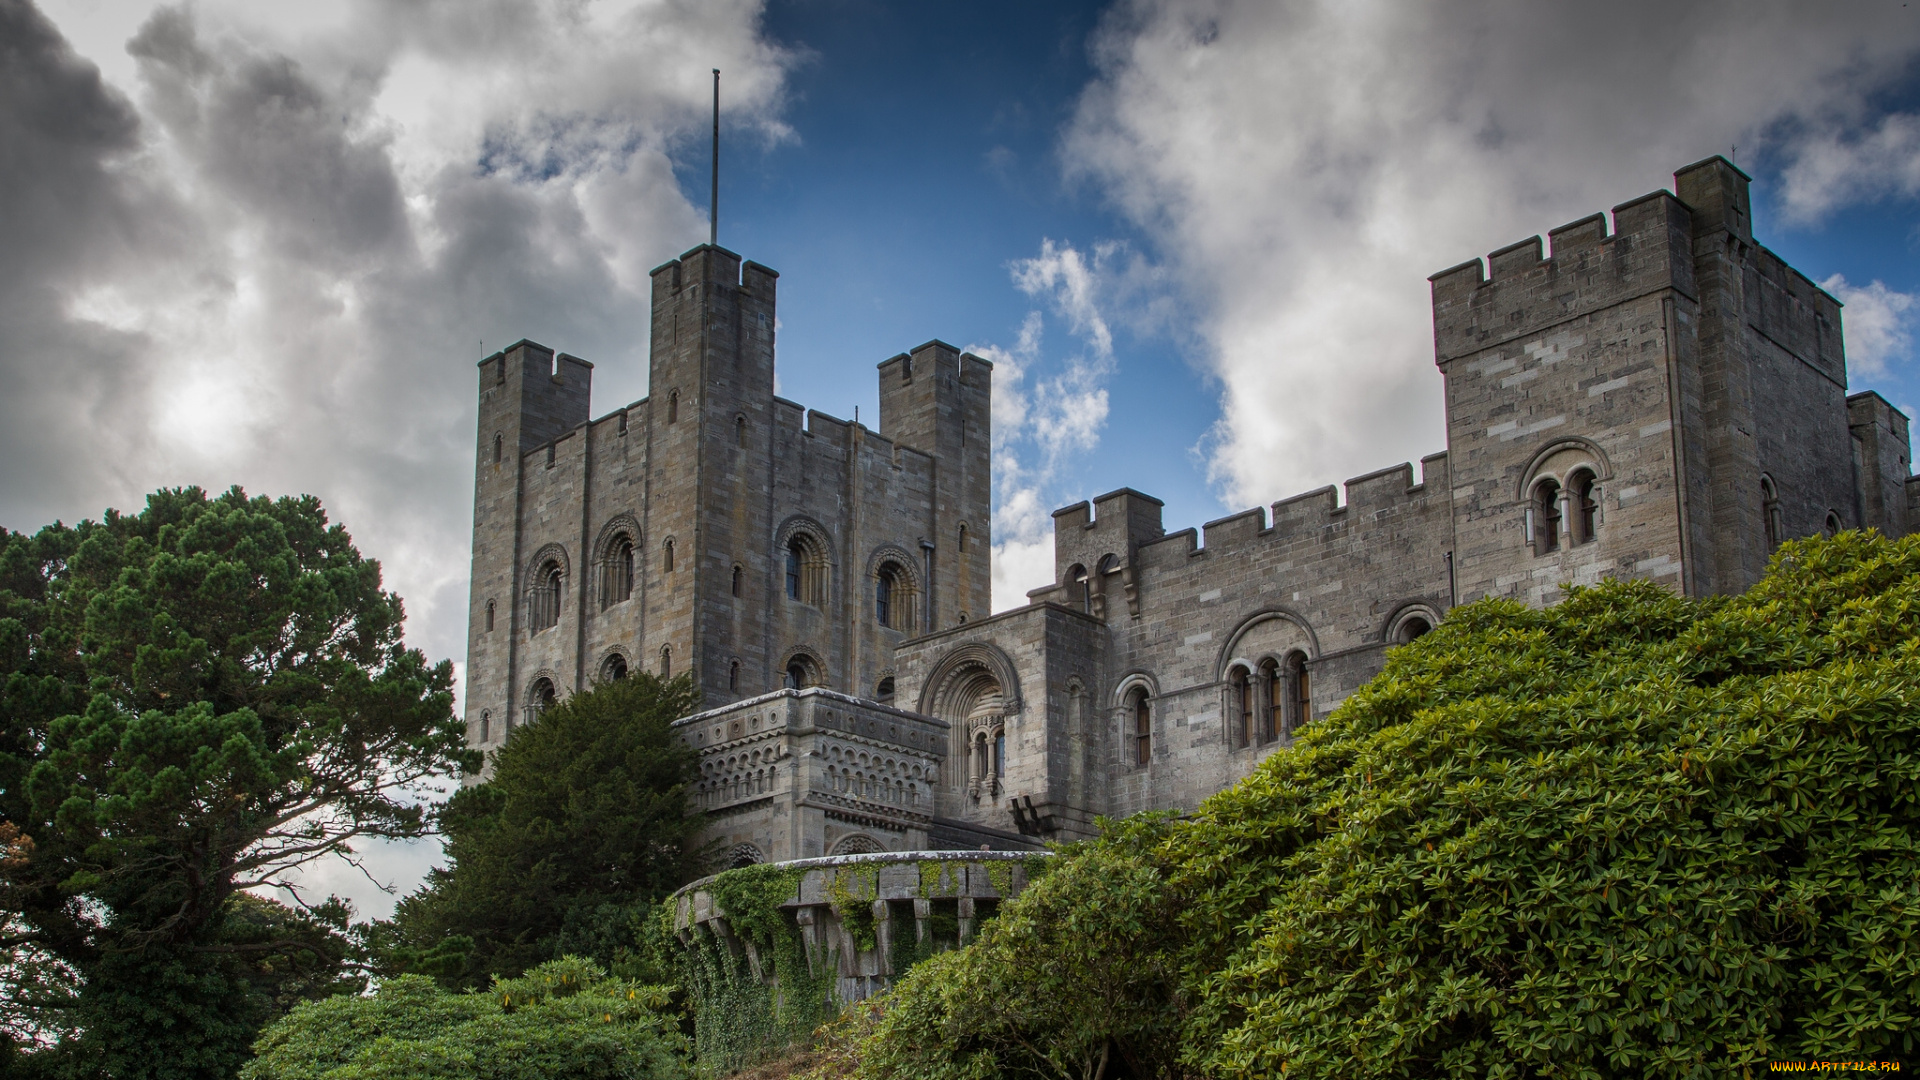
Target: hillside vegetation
1632, 835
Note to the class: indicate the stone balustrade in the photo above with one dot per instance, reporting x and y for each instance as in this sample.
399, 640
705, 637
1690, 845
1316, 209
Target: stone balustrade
915, 894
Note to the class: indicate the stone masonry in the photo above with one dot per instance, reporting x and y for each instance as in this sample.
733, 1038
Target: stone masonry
1651, 396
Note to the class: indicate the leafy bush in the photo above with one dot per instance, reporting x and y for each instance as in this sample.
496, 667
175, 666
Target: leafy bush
1630, 835
1071, 979
567, 847
562, 1019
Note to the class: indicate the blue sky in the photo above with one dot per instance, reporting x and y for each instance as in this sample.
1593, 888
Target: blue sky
267, 239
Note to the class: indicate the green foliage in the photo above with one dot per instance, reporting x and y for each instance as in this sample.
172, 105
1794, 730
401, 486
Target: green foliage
1630, 835
582, 828
192, 700
1072, 979
738, 1018
565, 1018
852, 890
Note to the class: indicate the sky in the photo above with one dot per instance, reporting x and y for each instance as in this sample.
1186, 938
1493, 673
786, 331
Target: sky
264, 243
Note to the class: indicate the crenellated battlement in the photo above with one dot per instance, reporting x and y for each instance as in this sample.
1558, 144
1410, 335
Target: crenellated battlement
1316, 514
1527, 285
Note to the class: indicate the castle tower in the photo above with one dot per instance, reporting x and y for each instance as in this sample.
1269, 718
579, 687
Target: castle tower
709, 418
938, 400
529, 396
1667, 400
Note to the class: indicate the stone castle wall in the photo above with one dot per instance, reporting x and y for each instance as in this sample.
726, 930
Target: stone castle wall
1647, 395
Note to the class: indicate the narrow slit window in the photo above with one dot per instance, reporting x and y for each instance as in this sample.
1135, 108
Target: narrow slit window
1583, 501
1302, 704
1546, 517
1273, 717
1142, 729
1242, 686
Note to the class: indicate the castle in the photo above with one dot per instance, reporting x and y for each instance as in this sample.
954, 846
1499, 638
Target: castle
1663, 399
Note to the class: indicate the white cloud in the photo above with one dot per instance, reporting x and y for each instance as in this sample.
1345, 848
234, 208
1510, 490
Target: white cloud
1301, 167
1877, 322
1841, 166
267, 251
1044, 416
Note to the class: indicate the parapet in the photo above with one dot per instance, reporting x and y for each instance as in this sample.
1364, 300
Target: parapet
1373, 496
1108, 530
1525, 287
712, 264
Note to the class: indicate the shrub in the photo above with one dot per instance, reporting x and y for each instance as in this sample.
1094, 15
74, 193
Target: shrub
1629, 835
564, 1018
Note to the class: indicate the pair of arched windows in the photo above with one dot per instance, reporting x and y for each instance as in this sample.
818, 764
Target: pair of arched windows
1264, 705
617, 578
806, 569
893, 597
543, 600
540, 696
1577, 507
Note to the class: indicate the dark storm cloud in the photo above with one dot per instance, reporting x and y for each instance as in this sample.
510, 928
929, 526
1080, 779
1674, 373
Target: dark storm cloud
72, 207
276, 262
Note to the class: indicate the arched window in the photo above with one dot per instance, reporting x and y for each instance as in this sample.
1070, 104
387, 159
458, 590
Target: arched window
893, 597
1544, 516
1583, 504
614, 669
739, 431
544, 603
736, 579
961, 546
1411, 628
806, 569
857, 844
666, 558
486, 726
499, 448
797, 676
884, 691
1833, 524
1000, 752
1274, 686
1301, 707
1077, 594
489, 616
619, 572
1142, 725
666, 661
673, 406
540, 696
733, 675
743, 855
1771, 518
1240, 700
